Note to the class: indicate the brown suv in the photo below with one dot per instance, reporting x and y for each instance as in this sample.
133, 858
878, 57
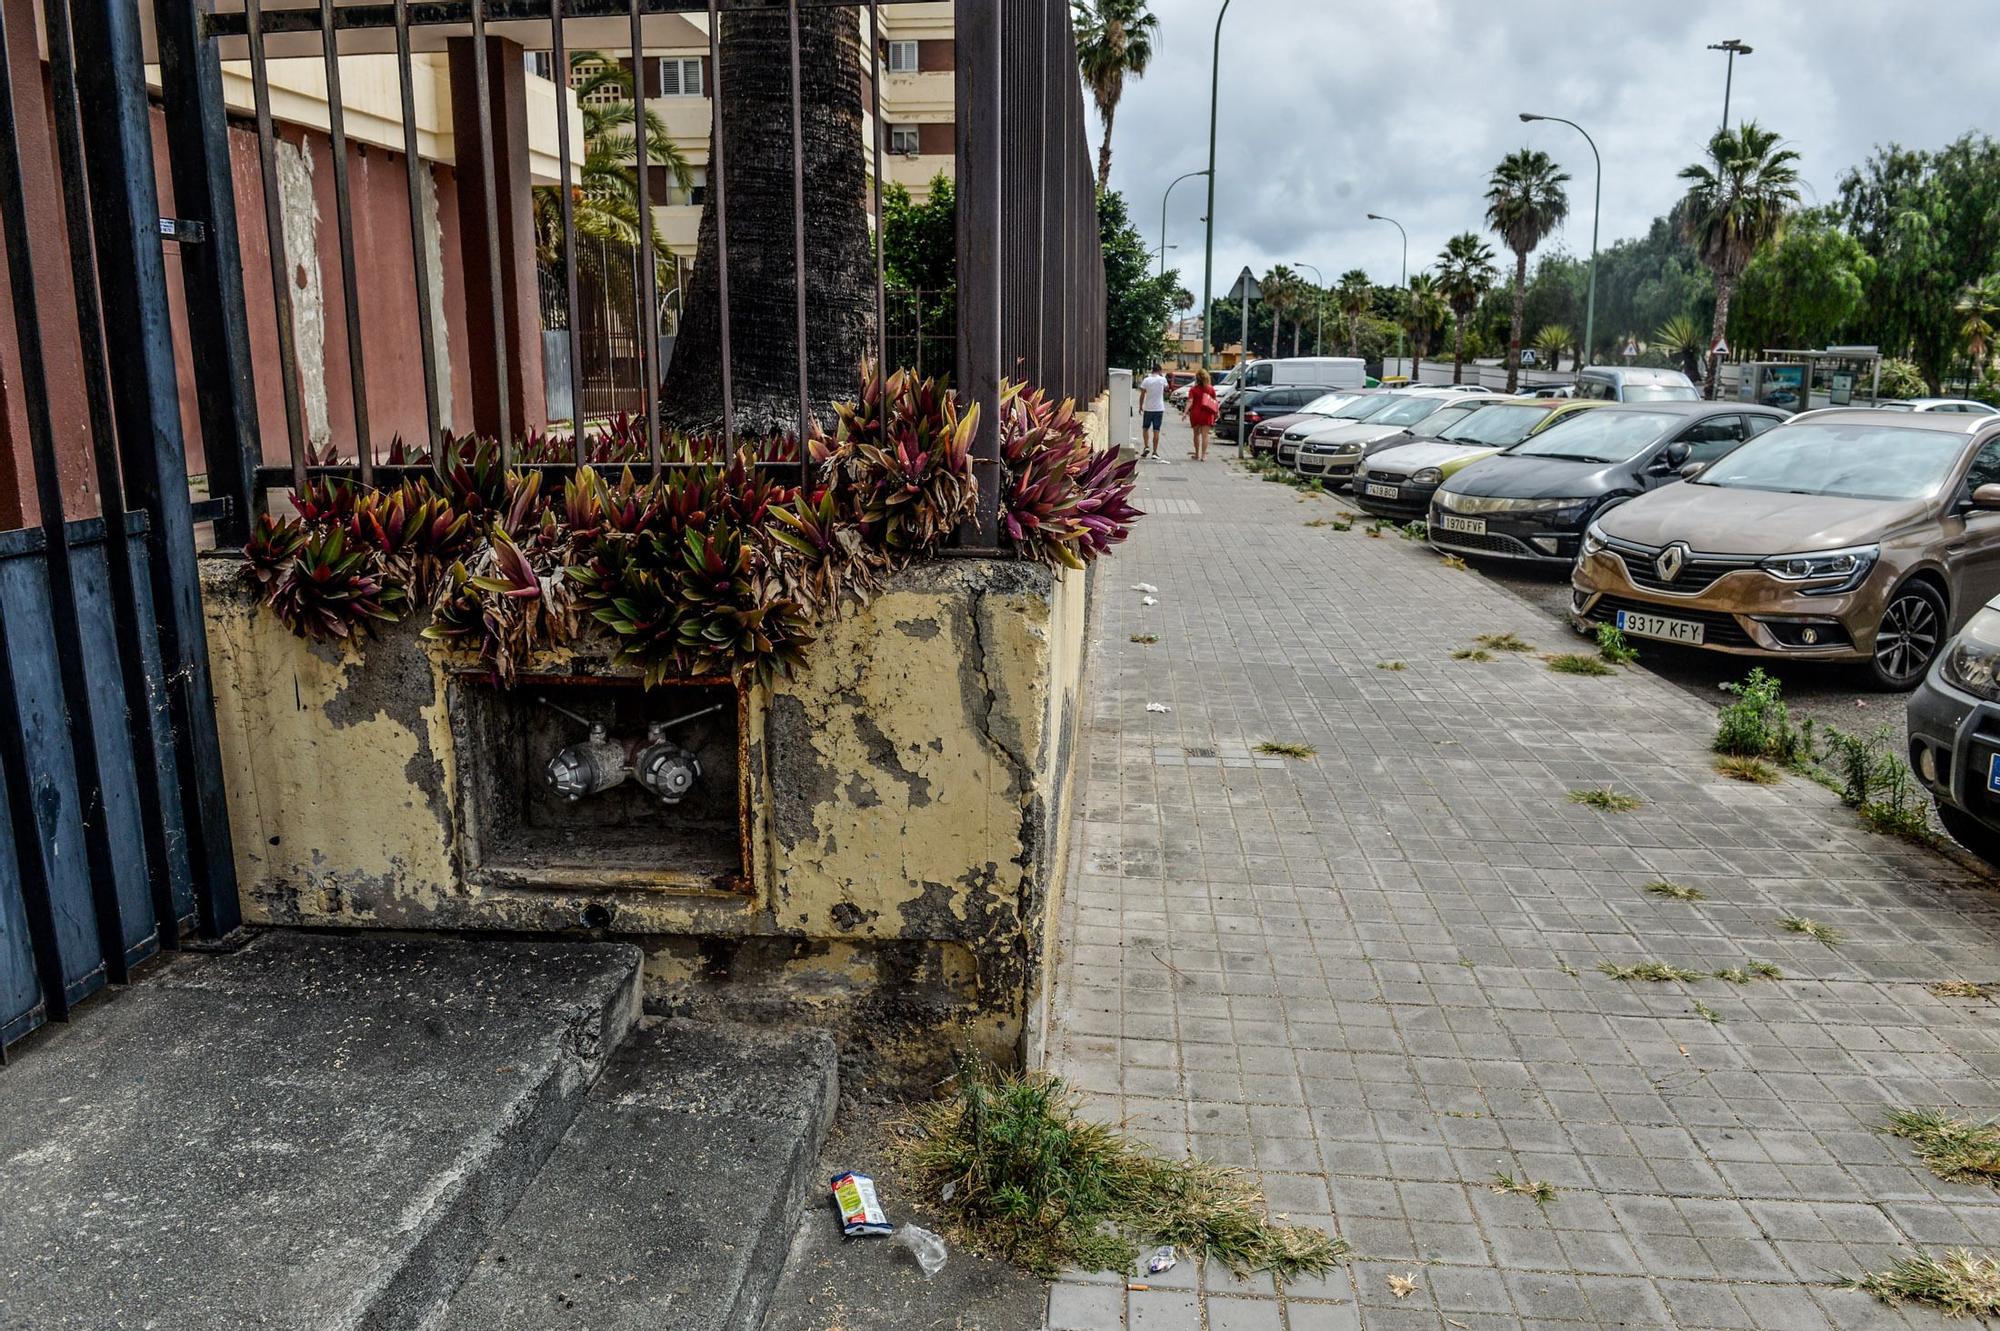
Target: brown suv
1851, 535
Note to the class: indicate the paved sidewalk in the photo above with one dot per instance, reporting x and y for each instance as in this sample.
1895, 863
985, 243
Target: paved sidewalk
1371, 975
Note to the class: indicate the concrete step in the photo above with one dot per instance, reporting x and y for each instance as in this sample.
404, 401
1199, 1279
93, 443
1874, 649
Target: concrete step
313, 1132
670, 1203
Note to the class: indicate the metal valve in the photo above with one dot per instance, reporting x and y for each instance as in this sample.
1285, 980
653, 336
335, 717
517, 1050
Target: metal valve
665, 768
598, 763
588, 767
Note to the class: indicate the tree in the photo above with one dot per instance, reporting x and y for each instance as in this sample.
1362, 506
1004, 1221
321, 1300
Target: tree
1284, 292
1736, 204
1137, 301
1355, 296
1679, 339
1465, 271
1114, 39
1804, 291
754, 118
1525, 201
920, 272
1978, 308
1424, 312
1554, 342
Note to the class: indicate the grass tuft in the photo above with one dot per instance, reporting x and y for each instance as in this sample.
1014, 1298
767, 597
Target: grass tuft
1453, 561
1957, 1150
1503, 642
1390, 665
1612, 646
1813, 929
1032, 1180
1655, 972
1605, 800
1145, 639
1279, 748
1416, 529
1958, 989
1472, 654
1377, 529
1663, 888
1539, 1191
1764, 970
1576, 663
1959, 1283
1732, 974
1707, 1013
1753, 770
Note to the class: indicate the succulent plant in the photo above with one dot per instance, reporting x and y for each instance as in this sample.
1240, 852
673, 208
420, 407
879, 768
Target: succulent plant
332, 589
1062, 501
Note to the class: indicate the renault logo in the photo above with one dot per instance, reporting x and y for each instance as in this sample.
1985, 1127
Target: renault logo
1668, 565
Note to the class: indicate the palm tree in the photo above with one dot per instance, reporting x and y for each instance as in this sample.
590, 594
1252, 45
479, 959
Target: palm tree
1979, 308
1354, 296
1525, 201
1554, 342
1465, 271
1736, 204
1114, 38
1283, 293
1424, 312
1679, 339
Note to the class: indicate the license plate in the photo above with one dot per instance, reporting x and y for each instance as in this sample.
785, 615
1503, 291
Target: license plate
1656, 626
1471, 526
1388, 492
1993, 772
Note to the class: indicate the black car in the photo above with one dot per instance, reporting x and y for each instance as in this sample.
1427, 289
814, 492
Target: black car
1533, 501
1954, 720
1260, 404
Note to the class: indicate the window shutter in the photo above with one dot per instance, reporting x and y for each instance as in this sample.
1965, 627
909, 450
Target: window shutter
670, 78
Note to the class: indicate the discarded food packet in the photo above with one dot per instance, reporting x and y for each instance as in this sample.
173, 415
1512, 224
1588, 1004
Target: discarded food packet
860, 1211
1144, 587
925, 1246
1162, 1261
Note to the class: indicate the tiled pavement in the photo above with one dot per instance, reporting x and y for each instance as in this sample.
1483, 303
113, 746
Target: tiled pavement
1371, 976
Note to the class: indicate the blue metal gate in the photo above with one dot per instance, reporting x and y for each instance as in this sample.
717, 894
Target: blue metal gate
114, 839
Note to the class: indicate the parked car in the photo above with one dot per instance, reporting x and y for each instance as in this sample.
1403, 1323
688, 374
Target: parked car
1963, 406
1954, 726
1533, 501
1399, 482
1620, 383
1326, 371
1364, 405
1470, 388
1849, 536
1454, 410
1336, 447
1258, 404
1264, 437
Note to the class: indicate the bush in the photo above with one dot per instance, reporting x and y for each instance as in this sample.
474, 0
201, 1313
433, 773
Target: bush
1758, 724
1902, 378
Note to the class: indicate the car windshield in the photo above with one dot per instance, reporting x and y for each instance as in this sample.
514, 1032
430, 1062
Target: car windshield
1435, 424
1899, 406
1408, 411
1362, 408
1851, 461
1326, 404
1599, 436
1660, 393
1496, 426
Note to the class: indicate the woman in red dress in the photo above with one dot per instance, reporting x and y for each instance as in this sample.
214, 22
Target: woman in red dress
1201, 413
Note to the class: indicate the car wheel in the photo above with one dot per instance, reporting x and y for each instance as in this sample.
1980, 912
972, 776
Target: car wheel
1969, 832
1909, 636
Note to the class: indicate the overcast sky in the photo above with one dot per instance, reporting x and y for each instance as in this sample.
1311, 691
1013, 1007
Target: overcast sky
1331, 110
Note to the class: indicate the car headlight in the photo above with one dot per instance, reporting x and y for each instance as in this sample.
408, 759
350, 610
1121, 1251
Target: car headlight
1594, 540
1971, 661
1843, 570
1427, 476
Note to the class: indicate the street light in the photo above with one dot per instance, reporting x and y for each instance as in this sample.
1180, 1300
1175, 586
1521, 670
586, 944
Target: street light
1377, 217
1596, 208
1319, 306
1208, 247
1735, 47
1164, 247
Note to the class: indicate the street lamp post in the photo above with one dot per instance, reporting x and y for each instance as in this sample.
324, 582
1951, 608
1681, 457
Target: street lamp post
1596, 209
1377, 217
1164, 247
1735, 47
1319, 306
1208, 245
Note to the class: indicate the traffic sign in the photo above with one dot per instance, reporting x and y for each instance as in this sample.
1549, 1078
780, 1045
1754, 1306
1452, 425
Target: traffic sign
1720, 348
1246, 287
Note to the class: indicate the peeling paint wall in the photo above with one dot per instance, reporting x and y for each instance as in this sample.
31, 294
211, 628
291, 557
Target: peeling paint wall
308, 293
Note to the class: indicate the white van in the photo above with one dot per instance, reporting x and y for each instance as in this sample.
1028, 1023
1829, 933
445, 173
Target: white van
1617, 383
1323, 371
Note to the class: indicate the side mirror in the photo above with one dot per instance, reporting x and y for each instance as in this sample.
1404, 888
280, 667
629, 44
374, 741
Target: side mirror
1674, 456
1694, 469
1986, 497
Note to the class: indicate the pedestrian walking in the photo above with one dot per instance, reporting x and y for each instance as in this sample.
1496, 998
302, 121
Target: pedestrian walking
1201, 413
1152, 412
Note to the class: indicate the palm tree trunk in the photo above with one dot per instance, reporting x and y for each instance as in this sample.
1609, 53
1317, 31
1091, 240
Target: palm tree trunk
755, 119
1725, 287
1458, 349
1104, 148
1296, 320
1514, 329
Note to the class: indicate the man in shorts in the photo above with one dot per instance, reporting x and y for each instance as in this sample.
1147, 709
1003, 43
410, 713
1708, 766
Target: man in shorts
1152, 412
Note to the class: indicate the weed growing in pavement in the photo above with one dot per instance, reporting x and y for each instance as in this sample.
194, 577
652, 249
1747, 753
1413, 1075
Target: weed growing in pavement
1375, 530
1576, 663
1732, 975
1875, 782
1958, 989
1472, 654
1764, 970
1758, 724
1416, 529
1605, 800
1707, 1013
1540, 1191
1757, 970
1343, 526
1453, 561
1279, 748
1390, 665
1663, 888
1656, 972
1145, 639
1612, 646
1503, 642
1032, 1180
1957, 1150
1959, 1283
1570, 970
1753, 770
1813, 929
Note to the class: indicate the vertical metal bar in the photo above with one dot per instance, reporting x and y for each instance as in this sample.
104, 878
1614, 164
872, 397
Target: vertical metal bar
419, 234
559, 56
55, 535
274, 236
129, 625
649, 294
482, 84
343, 218
211, 272
717, 181
875, 86
980, 185
799, 221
